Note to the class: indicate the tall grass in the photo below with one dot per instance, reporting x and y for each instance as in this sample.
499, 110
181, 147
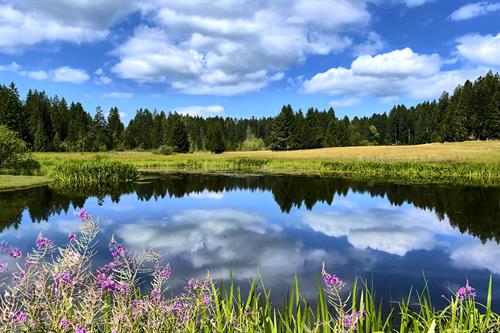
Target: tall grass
57, 289
91, 172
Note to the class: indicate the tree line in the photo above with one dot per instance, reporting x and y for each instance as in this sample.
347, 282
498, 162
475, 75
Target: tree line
46, 123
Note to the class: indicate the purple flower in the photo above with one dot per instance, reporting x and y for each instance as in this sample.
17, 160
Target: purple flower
29, 263
165, 272
123, 288
117, 250
467, 292
80, 329
331, 281
72, 236
138, 308
177, 306
114, 330
18, 317
43, 243
65, 323
155, 295
109, 284
19, 275
350, 320
63, 278
206, 300
15, 253
3, 267
82, 214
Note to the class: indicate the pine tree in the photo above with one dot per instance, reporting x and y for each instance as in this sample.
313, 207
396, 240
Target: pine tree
281, 130
215, 138
179, 139
115, 127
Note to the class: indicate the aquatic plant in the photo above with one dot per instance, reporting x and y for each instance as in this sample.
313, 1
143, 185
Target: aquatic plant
101, 172
58, 289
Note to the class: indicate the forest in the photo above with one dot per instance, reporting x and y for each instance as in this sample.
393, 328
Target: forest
471, 112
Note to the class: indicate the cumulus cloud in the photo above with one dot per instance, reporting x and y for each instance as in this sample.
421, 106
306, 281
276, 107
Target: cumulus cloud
394, 231
345, 102
203, 111
118, 95
416, 3
396, 73
228, 48
35, 75
397, 63
70, 75
473, 10
22, 28
474, 255
480, 49
12, 67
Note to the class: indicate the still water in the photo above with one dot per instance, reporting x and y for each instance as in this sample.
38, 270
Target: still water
281, 226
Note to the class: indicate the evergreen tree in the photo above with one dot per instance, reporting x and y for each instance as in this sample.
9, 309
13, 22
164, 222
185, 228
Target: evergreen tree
281, 131
115, 127
179, 139
215, 138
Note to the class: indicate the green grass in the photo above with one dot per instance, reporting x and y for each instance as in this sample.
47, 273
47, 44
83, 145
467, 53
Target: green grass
9, 182
475, 163
102, 172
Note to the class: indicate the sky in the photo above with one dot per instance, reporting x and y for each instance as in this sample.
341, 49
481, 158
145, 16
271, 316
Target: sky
247, 58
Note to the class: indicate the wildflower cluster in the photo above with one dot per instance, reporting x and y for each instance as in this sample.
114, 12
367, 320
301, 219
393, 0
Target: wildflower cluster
466, 293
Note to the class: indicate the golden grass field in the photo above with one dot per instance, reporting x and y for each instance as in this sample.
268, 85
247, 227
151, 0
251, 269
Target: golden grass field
470, 151
473, 162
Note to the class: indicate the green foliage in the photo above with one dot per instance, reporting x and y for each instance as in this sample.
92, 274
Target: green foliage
252, 144
102, 172
15, 157
164, 150
472, 112
215, 138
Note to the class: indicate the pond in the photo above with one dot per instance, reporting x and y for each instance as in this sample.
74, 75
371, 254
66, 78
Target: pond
390, 234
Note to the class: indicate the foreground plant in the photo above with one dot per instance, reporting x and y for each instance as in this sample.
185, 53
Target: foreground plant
57, 289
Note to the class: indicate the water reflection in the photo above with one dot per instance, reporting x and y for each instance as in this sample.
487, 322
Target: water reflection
281, 226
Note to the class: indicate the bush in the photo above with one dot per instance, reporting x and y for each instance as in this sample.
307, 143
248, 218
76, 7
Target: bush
164, 150
252, 144
15, 157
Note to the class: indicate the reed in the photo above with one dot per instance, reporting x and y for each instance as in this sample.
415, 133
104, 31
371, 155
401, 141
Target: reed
102, 172
58, 289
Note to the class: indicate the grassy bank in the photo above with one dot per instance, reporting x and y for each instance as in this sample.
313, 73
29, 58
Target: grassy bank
9, 182
60, 290
465, 162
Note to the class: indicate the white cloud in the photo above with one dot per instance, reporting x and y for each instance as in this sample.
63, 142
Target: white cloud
20, 29
396, 73
474, 255
480, 49
103, 80
203, 111
371, 45
397, 63
118, 95
12, 67
345, 102
71, 75
415, 3
229, 48
206, 194
473, 10
35, 75
395, 231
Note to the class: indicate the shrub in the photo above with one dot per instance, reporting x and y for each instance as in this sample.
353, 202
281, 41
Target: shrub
15, 157
252, 144
164, 150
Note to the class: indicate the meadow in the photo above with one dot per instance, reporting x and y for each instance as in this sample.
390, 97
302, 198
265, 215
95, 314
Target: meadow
475, 162
57, 288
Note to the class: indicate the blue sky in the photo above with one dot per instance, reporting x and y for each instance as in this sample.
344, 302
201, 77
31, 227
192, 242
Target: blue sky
247, 58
